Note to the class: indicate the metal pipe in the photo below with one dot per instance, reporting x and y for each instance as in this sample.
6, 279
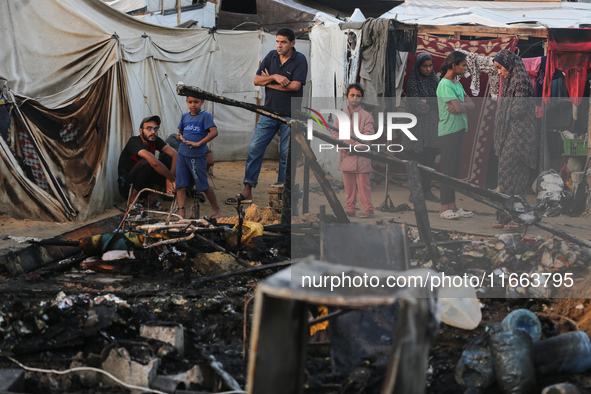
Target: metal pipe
125, 216
171, 241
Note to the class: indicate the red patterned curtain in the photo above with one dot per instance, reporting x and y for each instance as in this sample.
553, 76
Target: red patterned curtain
478, 139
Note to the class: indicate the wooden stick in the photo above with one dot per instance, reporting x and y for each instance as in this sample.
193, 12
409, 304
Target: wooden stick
306, 199
287, 188
185, 90
418, 200
334, 202
250, 270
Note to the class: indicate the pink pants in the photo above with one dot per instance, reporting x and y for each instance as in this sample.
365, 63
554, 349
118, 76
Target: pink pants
353, 181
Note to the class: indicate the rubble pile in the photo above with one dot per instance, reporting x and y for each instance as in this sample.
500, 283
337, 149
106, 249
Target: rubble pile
507, 256
543, 345
130, 309
171, 315
174, 337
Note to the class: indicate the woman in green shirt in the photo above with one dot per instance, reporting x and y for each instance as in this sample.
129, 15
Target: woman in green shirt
453, 103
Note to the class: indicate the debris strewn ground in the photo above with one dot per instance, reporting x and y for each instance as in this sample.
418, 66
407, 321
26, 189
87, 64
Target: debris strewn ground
94, 314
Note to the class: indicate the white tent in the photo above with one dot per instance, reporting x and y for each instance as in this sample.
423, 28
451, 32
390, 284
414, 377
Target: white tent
555, 14
84, 75
328, 57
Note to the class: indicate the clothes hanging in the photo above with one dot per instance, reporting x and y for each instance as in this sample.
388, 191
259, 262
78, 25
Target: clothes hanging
379, 45
479, 64
533, 66
478, 140
374, 49
569, 50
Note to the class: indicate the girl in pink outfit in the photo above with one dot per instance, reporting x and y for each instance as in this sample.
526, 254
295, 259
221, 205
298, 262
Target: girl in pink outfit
356, 169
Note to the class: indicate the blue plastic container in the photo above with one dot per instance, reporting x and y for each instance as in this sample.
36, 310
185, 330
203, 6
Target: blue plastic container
522, 319
566, 353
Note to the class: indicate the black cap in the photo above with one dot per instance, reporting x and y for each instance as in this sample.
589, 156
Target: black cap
155, 118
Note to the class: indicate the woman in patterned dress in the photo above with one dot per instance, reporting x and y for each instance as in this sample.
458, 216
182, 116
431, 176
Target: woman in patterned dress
515, 139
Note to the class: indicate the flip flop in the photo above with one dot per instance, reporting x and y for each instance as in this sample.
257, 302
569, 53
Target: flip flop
449, 215
512, 226
366, 214
238, 199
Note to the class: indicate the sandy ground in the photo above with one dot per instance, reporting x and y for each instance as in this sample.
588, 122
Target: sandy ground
227, 182
567, 313
481, 223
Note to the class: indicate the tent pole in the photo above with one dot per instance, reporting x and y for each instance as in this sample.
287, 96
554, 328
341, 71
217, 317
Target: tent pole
162, 8
178, 12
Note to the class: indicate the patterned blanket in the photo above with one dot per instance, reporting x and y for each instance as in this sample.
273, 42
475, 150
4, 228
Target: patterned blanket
478, 140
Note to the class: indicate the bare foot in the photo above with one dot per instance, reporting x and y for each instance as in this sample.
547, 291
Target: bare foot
215, 213
181, 212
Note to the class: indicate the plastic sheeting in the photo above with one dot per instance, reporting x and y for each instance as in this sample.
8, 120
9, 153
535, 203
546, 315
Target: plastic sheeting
269, 14
236, 126
149, 5
204, 17
126, 5
491, 13
151, 11
85, 74
328, 58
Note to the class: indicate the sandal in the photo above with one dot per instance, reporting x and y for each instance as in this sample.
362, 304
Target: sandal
498, 225
464, 214
238, 199
366, 214
350, 213
512, 226
449, 215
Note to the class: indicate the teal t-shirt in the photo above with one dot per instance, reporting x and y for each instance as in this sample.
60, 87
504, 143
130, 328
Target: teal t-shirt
446, 92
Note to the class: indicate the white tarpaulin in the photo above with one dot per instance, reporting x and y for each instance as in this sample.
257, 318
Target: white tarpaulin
205, 17
126, 5
328, 57
554, 14
152, 11
84, 75
149, 5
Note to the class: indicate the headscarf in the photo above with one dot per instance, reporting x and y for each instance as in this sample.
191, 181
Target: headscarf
515, 118
419, 85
